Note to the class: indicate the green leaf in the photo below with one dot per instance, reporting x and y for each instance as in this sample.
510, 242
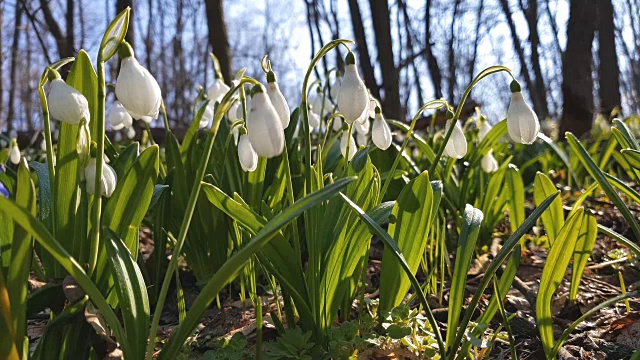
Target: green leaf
584, 247
8, 344
633, 247
132, 294
114, 35
515, 202
600, 177
30, 224
553, 219
236, 262
624, 135
412, 215
552, 275
393, 247
633, 157
464, 254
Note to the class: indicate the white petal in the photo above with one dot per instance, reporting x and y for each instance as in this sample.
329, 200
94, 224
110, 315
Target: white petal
232, 114
131, 133
66, 103
381, 134
522, 121
138, 90
344, 140
337, 123
216, 92
247, 156
118, 116
314, 120
457, 145
279, 103
361, 139
264, 127
362, 127
109, 178
483, 129
353, 97
489, 163
14, 155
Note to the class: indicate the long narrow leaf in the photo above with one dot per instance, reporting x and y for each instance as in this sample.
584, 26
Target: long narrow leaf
582, 252
553, 219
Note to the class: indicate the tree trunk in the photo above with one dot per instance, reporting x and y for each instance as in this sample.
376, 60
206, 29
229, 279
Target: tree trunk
390, 76
2, 65
450, 53
14, 64
363, 50
148, 40
432, 62
218, 37
609, 70
577, 81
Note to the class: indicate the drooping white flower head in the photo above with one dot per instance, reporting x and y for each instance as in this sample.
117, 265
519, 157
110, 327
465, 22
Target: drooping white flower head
232, 114
236, 134
362, 127
147, 119
247, 156
83, 146
522, 121
136, 88
217, 90
483, 128
337, 123
314, 119
381, 134
335, 87
353, 97
278, 100
109, 178
264, 125
457, 145
119, 117
207, 115
373, 104
344, 140
14, 153
489, 163
66, 104
131, 133
361, 139
321, 103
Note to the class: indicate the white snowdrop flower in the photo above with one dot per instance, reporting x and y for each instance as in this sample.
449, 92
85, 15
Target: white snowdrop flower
344, 140
264, 125
483, 128
136, 88
207, 115
247, 156
217, 90
335, 87
14, 153
131, 133
353, 97
361, 139
321, 103
522, 121
232, 114
119, 117
362, 127
236, 134
278, 100
314, 119
373, 104
147, 119
381, 134
489, 163
457, 145
43, 145
83, 145
67, 104
109, 178
337, 123
117, 137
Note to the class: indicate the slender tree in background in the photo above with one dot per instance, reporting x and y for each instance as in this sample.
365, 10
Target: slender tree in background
120, 6
1, 65
364, 59
577, 83
450, 52
64, 42
218, 37
390, 76
608, 69
14, 66
432, 61
531, 15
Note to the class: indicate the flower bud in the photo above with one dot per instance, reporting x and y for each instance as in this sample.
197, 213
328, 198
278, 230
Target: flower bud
109, 178
138, 90
264, 125
344, 140
119, 117
456, 147
217, 91
483, 128
522, 121
14, 153
67, 104
381, 134
489, 163
353, 97
247, 156
279, 102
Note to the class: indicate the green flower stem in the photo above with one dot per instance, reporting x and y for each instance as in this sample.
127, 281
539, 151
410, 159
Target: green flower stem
97, 196
49, 143
486, 72
222, 108
305, 108
431, 105
329, 126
